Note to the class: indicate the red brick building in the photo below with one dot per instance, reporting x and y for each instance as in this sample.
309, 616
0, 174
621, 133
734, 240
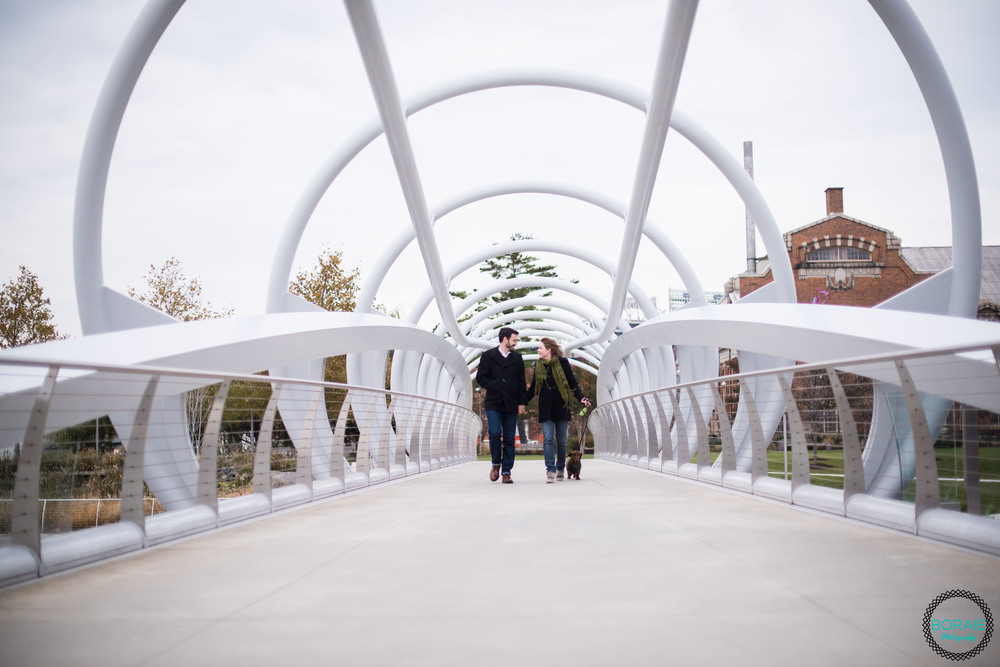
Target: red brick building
838, 260
845, 261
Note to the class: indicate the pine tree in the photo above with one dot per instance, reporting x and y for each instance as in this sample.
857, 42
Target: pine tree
514, 265
511, 265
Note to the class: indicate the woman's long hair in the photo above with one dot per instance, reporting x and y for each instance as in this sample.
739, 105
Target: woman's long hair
553, 347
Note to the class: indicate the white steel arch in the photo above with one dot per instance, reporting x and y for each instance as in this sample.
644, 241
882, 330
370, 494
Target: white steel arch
157, 15
102, 309
487, 317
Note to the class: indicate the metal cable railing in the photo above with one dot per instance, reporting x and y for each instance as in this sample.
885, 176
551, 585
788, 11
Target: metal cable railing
910, 441
98, 460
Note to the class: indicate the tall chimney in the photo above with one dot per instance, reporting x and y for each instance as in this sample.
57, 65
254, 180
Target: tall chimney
751, 233
834, 200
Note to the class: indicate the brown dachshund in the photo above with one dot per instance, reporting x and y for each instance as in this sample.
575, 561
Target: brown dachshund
573, 464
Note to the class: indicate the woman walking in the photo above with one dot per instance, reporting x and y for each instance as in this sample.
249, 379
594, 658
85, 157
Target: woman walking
554, 382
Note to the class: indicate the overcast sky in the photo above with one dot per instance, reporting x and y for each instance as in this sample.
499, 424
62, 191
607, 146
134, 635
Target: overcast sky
243, 100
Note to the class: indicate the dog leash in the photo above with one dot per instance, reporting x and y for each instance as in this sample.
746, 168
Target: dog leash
585, 413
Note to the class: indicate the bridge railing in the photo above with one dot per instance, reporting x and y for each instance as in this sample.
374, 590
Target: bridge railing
906, 441
97, 461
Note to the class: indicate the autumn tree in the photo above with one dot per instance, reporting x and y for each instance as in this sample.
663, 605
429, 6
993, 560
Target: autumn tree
25, 316
332, 286
170, 291
329, 284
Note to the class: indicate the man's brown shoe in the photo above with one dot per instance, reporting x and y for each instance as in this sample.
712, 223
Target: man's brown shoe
507, 479
494, 473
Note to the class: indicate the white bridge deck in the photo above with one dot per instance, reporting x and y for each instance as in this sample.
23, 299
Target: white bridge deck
621, 568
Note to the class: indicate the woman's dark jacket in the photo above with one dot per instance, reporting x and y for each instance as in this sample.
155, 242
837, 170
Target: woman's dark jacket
503, 380
550, 401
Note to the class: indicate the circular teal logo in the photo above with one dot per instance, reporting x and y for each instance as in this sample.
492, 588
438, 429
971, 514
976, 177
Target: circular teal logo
958, 625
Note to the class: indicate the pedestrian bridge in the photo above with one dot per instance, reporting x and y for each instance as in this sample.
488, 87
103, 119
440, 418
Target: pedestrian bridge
195, 491
624, 566
380, 538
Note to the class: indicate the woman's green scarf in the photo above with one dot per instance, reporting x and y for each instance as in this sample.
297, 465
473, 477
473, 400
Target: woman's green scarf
542, 372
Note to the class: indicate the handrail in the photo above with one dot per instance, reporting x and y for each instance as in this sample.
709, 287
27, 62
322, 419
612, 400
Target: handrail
838, 363
396, 434
889, 436
139, 369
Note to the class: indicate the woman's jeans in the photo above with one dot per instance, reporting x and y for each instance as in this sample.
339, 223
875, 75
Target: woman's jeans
555, 452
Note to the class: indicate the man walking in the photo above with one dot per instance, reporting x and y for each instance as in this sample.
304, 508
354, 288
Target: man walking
501, 374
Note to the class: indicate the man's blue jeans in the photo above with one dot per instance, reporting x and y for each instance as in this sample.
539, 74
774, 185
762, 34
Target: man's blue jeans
502, 426
555, 452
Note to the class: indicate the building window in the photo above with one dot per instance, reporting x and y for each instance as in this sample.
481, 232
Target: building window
839, 254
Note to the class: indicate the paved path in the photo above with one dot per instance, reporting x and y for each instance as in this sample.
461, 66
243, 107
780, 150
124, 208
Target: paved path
622, 568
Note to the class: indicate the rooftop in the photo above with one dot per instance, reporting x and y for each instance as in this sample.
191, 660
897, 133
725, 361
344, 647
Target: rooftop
937, 258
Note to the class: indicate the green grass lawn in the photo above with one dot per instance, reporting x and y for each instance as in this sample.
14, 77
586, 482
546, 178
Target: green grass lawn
951, 473
827, 469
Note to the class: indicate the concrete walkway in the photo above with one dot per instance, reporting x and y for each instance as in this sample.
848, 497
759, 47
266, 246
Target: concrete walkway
622, 568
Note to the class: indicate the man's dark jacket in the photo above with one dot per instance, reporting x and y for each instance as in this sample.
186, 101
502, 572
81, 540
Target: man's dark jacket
503, 380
